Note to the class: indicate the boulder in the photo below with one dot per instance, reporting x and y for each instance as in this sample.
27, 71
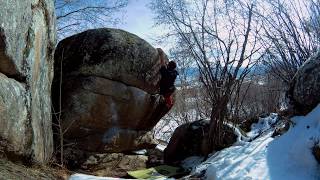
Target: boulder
304, 90
110, 54
246, 124
109, 83
191, 139
16, 132
155, 157
114, 164
27, 42
187, 140
282, 126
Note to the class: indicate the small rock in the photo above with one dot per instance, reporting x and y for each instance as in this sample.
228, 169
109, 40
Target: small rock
114, 164
282, 127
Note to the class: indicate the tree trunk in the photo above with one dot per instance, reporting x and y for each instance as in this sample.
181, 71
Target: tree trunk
218, 114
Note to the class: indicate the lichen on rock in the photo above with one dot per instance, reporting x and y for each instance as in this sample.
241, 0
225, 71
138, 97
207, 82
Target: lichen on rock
304, 93
109, 90
27, 41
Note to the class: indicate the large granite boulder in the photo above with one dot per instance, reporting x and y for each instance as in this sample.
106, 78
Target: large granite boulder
109, 78
305, 86
192, 139
27, 42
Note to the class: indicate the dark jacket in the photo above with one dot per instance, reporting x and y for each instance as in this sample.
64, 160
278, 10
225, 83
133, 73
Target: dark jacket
168, 76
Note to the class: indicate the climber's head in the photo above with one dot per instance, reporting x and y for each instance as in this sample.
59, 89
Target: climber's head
172, 65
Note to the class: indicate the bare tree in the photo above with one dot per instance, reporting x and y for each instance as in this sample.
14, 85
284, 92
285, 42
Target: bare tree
77, 15
221, 38
288, 36
314, 22
263, 94
191, 103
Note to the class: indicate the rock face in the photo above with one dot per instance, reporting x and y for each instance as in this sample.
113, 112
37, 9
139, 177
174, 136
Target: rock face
27, 41
191, 139
305, 86
108, 78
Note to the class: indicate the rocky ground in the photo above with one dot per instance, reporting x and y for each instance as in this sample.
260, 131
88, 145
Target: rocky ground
14, 171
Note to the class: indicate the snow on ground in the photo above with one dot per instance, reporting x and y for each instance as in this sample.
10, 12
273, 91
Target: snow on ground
262, 125
287, 157
166, 126
89, 177
191, 162
161, 147
290, 156
238, 162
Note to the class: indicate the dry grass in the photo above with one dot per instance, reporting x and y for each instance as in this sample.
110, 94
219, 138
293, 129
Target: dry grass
12, 171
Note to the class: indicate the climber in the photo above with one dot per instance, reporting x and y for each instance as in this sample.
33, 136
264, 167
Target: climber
168, 76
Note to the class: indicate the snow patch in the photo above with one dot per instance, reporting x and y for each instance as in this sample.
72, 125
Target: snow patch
191, 162
161, 147
140, 152
288, 157
89, 177
238, 162
262, 125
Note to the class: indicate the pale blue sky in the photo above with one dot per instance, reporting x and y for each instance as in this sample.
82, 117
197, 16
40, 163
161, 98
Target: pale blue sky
138, 19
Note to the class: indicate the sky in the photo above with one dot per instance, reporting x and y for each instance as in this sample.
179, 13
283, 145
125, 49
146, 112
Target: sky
138, 19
